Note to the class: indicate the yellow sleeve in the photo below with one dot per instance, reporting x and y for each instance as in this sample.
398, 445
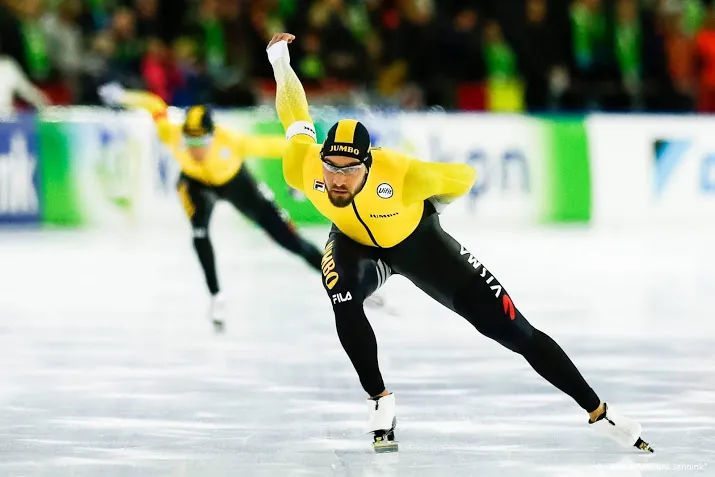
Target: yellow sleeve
168, 133
291, 102
444, 182
261, 147
292, 107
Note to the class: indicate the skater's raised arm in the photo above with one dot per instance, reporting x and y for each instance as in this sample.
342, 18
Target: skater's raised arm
292, 107
168, 133
114, 94
442, 183
260, 146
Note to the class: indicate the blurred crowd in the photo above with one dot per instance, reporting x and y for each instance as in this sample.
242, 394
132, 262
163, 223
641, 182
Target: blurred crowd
503, 55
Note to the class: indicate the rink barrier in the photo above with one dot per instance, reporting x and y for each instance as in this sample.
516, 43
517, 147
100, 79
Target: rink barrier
92, 166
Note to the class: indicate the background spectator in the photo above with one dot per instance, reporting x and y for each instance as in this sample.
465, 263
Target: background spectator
65, 44
537, 55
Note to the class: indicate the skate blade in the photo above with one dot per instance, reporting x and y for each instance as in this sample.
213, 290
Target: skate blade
385, 447
219, 326
643, 445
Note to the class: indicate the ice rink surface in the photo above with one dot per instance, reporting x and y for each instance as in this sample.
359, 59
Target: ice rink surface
110, 367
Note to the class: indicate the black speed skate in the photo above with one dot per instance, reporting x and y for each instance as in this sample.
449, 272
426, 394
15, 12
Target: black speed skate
643, 445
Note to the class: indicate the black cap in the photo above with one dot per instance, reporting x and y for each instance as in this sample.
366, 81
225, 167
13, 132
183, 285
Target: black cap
199, 121
348, 138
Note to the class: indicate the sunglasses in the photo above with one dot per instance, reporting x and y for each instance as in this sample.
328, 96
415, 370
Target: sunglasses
347, 170
198, 141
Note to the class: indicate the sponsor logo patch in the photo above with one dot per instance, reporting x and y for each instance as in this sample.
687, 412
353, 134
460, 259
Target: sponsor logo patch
330, 276
342, 148
385, 191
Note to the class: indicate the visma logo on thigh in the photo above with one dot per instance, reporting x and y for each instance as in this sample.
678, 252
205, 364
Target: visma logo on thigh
340, 298
509, 309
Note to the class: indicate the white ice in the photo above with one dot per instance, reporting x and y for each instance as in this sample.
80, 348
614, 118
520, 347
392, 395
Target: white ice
110, 367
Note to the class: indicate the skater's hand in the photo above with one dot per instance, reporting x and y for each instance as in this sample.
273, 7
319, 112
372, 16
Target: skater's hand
111, 94
278, 47
287, 37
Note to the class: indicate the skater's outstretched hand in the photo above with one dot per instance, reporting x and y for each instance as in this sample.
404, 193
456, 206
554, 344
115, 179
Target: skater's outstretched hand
287, 37
111, 94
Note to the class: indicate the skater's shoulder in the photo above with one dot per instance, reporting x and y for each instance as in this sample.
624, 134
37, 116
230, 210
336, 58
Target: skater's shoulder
223, 134
385, 157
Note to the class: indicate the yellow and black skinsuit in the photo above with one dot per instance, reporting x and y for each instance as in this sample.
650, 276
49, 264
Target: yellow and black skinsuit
393, 226
220, 175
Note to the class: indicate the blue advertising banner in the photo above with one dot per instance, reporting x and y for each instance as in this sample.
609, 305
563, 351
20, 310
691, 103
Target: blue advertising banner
19, 171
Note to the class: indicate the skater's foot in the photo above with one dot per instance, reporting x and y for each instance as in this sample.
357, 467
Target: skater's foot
382, 422
217, 312
621, 429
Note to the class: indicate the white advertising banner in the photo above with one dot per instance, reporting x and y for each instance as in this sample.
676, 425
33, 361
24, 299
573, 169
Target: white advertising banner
508, 153
652, 170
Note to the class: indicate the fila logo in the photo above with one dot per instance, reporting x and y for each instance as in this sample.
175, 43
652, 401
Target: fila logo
508, 304
342, 148
384, 191
339, 298
319, 185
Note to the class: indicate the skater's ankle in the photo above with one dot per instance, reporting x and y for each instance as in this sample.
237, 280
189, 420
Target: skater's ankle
382, 394
595, 414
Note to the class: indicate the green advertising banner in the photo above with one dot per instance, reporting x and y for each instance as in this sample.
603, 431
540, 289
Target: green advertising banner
568, 177
270, 172
94, 166
102, 167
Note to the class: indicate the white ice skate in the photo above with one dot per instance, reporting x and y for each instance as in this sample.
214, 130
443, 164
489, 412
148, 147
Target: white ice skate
382, 422
623, 430
217, 312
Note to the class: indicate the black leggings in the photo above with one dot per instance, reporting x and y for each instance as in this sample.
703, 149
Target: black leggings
247, 197
445, 270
